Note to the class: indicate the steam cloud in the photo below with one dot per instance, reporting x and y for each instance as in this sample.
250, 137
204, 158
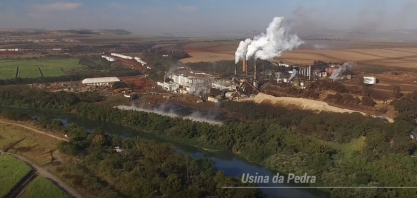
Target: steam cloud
242, 49
170, 112
294, 73
172, 68
337, 73
269, 45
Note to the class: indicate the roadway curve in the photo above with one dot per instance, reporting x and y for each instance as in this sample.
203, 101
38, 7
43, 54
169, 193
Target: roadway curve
43, 171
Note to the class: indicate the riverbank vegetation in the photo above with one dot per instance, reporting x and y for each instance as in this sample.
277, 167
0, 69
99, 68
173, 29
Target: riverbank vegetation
149, 169
42, 187
12, 171
340, 149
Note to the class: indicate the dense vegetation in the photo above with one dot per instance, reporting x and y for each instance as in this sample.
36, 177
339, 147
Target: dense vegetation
42, 187
330, 145
95, 63
142, 169
21, 96
340, 149
12, 171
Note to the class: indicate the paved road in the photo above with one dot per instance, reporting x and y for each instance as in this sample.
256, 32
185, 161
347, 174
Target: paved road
35, 130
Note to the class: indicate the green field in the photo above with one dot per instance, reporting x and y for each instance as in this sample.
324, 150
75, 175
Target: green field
51, 72
29, 68
12, 171
29, 72
42, 187
7, 74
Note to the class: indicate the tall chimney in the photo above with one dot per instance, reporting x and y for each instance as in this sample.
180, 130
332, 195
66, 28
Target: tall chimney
236, 69
309, 72
254, 69
244, 65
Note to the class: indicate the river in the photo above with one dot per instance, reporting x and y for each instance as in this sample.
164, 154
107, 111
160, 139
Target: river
231, 164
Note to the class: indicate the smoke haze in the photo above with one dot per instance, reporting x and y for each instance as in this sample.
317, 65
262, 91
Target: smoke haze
293, 74
337, 73
169, 111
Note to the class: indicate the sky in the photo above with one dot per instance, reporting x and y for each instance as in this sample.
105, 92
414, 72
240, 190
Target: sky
204, 17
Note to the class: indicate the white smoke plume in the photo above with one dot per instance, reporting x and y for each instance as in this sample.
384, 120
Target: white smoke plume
294, 73
170, 112
273, 43
337, 73
240, 53
173, 68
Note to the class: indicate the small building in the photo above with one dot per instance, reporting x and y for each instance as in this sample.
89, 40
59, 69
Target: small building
104, 81
132, 96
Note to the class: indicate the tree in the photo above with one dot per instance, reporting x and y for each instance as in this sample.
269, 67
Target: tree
368, 101
397, 92
118, 85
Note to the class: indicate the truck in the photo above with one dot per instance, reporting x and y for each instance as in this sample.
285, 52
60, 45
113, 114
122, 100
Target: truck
369, 80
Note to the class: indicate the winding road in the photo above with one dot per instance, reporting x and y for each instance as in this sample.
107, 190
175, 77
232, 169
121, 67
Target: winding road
41, 170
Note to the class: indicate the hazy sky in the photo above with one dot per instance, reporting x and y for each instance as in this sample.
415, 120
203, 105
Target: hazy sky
196, 17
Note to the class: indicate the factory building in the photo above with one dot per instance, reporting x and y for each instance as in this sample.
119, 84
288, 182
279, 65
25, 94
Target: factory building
122, 56
140, 60
109, 58
104, 81
223, 85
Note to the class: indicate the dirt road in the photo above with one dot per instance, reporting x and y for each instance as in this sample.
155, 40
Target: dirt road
34, 130
45, 173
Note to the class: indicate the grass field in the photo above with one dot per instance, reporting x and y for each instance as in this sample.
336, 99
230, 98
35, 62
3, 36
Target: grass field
12, 171
28, 72
35, 147
42, 187
29, 68
52, 72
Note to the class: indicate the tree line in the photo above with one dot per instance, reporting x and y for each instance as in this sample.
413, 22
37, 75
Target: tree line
21, 96
340, 149
140, 169
304, 140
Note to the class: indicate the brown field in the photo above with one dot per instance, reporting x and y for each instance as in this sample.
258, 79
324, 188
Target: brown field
391, 54
35, 147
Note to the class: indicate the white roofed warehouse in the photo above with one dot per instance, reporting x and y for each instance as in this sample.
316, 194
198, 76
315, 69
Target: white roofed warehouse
104, 81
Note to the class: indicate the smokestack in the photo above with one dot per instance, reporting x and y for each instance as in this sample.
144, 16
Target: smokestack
236, 69
254, 68
309, 72
244, 65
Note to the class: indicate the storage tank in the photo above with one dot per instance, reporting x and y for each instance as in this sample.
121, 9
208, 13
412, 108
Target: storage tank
349, 76
302, 84
285, 80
